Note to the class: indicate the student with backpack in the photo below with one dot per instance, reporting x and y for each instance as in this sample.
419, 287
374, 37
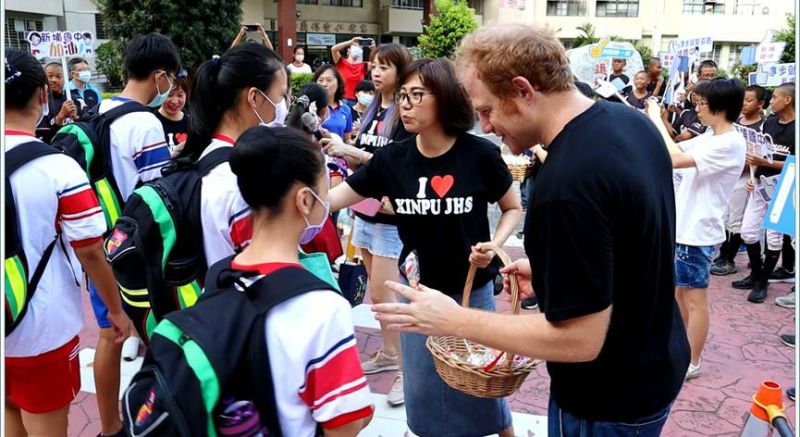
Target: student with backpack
53, 222
130, 149
276, 345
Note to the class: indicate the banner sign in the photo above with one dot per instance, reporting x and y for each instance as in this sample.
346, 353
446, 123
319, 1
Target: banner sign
59, 44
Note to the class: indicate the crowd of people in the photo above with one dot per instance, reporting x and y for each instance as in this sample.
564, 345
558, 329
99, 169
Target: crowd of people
623, 226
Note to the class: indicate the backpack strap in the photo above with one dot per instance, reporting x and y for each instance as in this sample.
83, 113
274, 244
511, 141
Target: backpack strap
213, 159
16, 158
266, 293
123, 109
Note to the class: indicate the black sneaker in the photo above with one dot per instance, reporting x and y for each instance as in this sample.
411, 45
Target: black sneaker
790, 393
788, 339
781, 275
744, 284
723, 268
758, 294
530, 303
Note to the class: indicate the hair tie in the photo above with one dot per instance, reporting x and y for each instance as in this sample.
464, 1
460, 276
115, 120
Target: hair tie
11, 72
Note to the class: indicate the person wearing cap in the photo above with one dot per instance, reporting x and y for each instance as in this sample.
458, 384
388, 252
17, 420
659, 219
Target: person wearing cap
81, 74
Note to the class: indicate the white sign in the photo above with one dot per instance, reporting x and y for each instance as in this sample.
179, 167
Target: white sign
667, 59
590, 69
757, 143
59, 44
773, 74
689, 45
512, 4
605, 48
320, 39
769, 52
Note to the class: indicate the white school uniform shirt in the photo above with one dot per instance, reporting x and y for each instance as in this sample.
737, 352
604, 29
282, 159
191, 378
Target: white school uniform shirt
314, 361
704, 191
305, 68
52, 193
139, 148
225, 216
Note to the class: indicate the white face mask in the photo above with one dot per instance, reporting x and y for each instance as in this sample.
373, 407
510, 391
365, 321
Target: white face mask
299, 58
356, 53
84, 76
365, 99
45, 112
281, 111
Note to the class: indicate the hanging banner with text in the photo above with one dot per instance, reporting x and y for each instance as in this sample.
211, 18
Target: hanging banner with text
60, 44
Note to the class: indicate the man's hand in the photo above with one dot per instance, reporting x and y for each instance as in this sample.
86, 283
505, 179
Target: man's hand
429, 312
480, 256
750, 185
521, 268
122, 325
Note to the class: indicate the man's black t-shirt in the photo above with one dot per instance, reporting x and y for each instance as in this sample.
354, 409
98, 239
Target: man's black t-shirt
689, 121
371, 138
176, 132
783, 139
600, 233
441, 203
755, 126
47, 128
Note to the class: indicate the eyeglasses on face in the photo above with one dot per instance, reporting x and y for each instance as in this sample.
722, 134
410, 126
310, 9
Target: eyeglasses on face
414, 97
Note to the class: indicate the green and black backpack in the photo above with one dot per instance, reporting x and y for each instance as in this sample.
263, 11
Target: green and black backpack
18, 289
88, 142
156, 245
214, 355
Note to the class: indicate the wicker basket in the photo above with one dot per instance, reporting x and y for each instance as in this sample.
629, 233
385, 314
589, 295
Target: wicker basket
520, 171
473, 379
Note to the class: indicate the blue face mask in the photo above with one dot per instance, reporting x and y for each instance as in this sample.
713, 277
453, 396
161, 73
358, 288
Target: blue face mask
160, 97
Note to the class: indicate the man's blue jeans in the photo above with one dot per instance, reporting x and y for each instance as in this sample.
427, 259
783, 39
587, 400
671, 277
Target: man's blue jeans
562, 423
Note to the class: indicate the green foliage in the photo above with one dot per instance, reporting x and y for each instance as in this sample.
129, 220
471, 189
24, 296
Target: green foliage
109, 62
787, 35
742, 72
454, 20
644, 51
589, 36
198, 28
416, 52
108, 94
300, 79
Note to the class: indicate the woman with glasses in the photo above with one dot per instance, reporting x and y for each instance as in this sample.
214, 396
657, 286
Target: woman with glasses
244, 87
440, 183
377, 235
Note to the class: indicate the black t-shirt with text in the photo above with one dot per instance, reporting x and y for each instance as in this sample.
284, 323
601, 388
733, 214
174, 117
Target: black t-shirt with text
441, 203
783, 139
600, 233
175, 132
371, 139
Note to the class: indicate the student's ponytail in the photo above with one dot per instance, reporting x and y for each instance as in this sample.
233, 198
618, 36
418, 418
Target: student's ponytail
217, 87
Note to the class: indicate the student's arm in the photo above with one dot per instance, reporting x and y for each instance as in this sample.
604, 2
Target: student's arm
93, 261
343, 196
238, 39
336, 54
350, 430
540, 153
679, 158
264, 38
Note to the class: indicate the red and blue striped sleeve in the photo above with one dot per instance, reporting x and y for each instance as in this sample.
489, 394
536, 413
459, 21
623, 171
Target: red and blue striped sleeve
79, 213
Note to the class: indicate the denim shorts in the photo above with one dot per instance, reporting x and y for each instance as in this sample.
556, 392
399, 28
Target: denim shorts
692, 265
433, 408
377, 238
562, 423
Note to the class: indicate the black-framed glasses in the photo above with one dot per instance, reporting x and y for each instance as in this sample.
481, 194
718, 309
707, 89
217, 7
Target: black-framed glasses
414, 97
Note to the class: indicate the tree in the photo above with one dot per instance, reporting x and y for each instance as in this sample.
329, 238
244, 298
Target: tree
109, 62
787, 35
588, 36
454, 20
198, 28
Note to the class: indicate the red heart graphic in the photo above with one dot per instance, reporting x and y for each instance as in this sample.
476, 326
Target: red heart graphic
181, 137
442, 184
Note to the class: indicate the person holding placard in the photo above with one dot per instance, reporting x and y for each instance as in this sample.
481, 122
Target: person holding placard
781, 129
60, 110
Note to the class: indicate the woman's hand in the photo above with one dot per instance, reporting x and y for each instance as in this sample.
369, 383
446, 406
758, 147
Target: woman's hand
386, 206
522, 269
750, 185
337, 148
756, 160
481, 257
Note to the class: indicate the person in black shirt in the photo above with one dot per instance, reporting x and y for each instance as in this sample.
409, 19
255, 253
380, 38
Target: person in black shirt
618, 65
171, 115
781, 128
639, 94
599, 235
377, 235
440, 183
60, 110
656, 83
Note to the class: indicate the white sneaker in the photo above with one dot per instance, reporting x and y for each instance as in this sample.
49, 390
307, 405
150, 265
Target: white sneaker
786, 301
380, 362
395, 397
693, 372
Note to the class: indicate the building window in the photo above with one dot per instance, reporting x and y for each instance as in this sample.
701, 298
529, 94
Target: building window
735, 53
409, 41
347, 3
751, 7
100, 31
566, 8
703, 7
409, 4
17, 29
477, 5
617, 8
305, 2
713, 54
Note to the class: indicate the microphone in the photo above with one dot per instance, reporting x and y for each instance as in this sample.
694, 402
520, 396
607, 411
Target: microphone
310, 123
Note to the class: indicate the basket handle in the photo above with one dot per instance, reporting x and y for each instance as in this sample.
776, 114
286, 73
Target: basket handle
500, 253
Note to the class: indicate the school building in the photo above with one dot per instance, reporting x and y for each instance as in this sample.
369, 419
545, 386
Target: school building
732, 24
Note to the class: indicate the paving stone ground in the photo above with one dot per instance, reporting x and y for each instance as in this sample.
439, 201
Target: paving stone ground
743, 350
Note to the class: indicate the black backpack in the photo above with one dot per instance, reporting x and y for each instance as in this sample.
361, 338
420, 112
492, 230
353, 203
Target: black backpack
88, 142
19, 291
212, 351
156, 246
